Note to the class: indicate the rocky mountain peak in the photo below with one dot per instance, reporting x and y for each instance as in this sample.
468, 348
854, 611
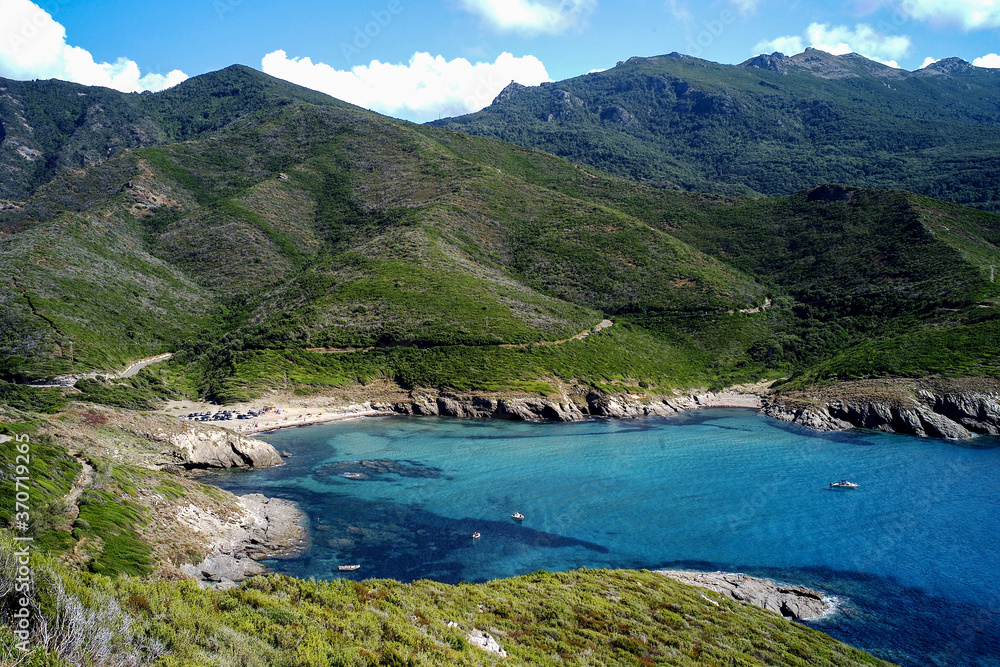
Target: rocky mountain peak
774, 62
509, 91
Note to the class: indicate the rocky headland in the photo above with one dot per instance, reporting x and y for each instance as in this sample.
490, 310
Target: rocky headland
161, 442
261, 528
956, 409
795, 602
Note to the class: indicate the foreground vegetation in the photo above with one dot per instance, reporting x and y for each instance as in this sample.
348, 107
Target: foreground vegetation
582, 617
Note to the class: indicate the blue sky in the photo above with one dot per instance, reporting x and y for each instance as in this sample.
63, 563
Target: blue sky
421, 59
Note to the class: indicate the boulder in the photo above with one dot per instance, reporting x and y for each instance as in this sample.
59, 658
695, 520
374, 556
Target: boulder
486, 642
212, 447
220, 567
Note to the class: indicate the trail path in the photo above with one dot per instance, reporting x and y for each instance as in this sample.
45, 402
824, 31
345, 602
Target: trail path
130, 370
142, 363
82, 482
604, 324
85, 479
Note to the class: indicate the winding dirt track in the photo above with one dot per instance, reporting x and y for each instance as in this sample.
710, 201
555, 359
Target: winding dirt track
130, 370
604, 324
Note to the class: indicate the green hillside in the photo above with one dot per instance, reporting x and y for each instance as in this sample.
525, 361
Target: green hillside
773, 125
254, 248
584, 617
274, 238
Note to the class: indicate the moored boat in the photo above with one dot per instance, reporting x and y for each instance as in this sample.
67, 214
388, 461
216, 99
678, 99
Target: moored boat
517, 516
844, 484
348, 568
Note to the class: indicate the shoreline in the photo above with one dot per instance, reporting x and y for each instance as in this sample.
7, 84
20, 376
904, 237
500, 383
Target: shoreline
258, 429
948, 409
788, 600
533, 409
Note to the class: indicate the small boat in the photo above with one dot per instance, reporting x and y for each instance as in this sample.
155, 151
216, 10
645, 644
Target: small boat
476, 536
844, 484
517, 516
348, 568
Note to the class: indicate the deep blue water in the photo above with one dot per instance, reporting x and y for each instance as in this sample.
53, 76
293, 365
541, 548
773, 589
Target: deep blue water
912, 554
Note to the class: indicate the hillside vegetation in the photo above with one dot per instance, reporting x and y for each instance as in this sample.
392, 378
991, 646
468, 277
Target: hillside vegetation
282, 238
772, 125
573, 618
274, 238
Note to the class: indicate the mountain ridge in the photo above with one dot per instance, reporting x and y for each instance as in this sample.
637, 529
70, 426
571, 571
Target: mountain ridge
299, 225
771, 125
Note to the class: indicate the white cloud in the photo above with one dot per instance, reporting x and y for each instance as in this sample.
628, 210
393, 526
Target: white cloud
34, 47
789, 45
841, 39
532, 16
991, 60
969, 14
746, 6
424, 89
929, 61
679, 10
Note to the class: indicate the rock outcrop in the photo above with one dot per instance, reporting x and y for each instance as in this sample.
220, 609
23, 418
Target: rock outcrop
795, 602
212, 447
567, 408
262, 528
928, 409
486, 642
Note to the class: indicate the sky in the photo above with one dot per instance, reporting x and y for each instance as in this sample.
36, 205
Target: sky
426, 59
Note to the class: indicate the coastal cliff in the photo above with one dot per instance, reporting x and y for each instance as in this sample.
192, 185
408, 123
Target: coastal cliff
956, 409
568, 407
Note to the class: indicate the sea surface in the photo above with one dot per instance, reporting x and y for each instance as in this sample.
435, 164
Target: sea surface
912, 556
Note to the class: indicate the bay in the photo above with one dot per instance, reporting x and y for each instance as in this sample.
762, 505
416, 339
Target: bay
911, 555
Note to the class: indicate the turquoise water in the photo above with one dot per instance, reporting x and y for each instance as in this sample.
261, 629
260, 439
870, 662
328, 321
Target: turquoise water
912, 554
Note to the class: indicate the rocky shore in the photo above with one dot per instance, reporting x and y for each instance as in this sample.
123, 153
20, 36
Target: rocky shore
264, 528
569, 407
956, 409
215, 447
796, 602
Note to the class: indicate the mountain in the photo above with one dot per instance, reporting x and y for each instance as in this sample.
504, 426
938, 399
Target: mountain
46, 126
773, 125
283, 238
273, 238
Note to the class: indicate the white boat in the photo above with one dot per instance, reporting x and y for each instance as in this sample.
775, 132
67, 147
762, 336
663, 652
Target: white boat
517, 516
348, 568
844, 484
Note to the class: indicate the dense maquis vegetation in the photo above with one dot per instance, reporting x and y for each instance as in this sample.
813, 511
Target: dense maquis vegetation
286, 221
772, 125
572, 618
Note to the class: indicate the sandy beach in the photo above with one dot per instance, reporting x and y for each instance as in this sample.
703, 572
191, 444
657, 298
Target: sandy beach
286, 410
283, 413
